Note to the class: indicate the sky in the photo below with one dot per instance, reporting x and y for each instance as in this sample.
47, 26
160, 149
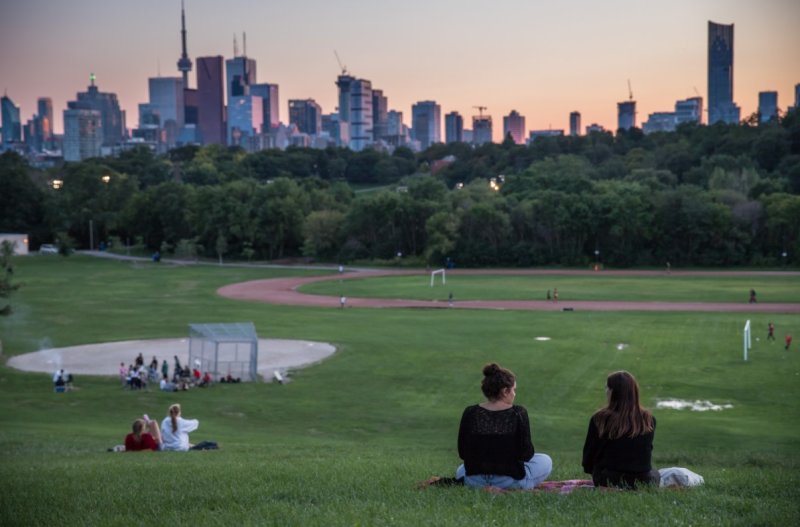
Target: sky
543, 58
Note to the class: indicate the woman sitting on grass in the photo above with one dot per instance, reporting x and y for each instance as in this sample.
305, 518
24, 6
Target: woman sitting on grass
145, 436
175, 432
494, 438
619, 443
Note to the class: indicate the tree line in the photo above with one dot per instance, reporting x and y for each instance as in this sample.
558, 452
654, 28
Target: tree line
707, 196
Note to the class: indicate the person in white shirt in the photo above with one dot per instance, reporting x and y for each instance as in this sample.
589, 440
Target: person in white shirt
175, 430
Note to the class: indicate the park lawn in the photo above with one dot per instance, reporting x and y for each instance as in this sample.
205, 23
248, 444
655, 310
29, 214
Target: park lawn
345, 442
599, 286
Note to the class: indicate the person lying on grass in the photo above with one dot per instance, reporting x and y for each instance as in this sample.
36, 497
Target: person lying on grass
619, 443
145, 436
175, 432
494, 438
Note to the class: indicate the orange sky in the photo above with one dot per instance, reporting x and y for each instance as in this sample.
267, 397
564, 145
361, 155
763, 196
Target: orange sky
541, 58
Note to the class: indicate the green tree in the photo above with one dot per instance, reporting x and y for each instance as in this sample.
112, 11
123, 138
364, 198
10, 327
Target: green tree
7, 287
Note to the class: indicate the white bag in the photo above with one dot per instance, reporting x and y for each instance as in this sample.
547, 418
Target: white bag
679, 477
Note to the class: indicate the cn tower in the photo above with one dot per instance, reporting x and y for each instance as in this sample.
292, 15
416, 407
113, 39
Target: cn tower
184, 63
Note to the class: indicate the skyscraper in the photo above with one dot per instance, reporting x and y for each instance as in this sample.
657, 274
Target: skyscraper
626, 115
767, 106
167, 94
306, 114
343, 83
721, 107
426, 123
360, 114
514, 124
113, 119
12, 126
83, 133
44, 121
575, 123
242, 104
269, 94
481, 129
240, 74
453, 128
396, 131
380, 114
797, 95
210, 101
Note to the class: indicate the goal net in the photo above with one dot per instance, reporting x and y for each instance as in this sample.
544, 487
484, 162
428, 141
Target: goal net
747, 342
440, 272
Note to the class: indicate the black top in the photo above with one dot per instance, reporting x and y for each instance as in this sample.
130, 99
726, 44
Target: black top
626, 454
495, 442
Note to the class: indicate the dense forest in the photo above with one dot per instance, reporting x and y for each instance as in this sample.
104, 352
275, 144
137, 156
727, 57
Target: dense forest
703, 195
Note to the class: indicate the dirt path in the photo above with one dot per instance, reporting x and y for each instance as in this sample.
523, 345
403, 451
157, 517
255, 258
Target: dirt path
284, 291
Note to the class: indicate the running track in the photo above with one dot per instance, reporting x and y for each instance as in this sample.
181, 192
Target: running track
284, 291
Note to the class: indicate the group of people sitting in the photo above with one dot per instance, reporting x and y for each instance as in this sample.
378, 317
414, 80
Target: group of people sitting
62, 380
173, 434
494, 438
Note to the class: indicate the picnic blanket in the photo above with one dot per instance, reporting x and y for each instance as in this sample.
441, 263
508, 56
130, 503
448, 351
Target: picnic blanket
566, 486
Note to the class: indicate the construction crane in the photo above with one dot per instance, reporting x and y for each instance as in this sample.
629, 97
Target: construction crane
480, 110
630, 91
344, 68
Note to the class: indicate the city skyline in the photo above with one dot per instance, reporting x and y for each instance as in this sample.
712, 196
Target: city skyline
543, 61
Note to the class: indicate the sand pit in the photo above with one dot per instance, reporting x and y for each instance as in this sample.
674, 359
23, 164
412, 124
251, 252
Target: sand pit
104, 358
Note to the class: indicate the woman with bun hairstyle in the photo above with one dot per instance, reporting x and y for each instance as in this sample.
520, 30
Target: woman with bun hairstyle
494, 438
619, 443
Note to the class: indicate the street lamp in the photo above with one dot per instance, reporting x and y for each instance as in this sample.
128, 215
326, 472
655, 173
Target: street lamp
57, 184
597, 259
784, 255
106, 179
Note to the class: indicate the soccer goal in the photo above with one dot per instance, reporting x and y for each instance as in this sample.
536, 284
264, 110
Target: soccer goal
441, 272
747, 342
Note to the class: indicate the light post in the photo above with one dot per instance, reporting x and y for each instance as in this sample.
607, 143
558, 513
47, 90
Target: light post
597, 259
784, 255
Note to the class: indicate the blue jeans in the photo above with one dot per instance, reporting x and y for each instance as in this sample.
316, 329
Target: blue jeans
537, 469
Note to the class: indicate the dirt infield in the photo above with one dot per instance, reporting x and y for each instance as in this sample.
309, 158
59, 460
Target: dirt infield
284, 291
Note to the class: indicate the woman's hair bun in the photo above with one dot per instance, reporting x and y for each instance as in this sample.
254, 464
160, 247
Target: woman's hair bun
491, 369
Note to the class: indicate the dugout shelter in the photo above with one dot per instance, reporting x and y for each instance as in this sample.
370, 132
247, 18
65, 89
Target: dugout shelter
223, 349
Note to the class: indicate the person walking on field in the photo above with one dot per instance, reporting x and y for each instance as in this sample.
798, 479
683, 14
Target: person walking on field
771, 331
555, 294
788, 340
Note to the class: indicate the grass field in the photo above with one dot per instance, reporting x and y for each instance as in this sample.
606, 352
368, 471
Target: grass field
346, 441
600, 286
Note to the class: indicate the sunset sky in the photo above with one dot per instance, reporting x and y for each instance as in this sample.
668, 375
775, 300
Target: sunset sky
541, 58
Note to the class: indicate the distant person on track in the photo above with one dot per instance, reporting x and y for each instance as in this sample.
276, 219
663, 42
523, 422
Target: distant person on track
555, 294
770, 331
788, 341
753, 297
619, 444
494, 438
342, 301
450, 299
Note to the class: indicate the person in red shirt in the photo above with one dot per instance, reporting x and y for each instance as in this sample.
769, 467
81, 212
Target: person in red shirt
145, 436
788, 340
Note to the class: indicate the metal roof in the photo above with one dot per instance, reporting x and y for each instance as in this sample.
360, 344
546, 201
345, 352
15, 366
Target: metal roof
234, 332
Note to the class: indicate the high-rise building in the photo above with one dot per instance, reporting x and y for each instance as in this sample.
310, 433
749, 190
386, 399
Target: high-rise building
245, 118
426, 123
380, 114
343, 83
797, 95
721, 107
396, 131
767, 106
481, 129
575, 123
168, 95
210, 101
240, 74
107, 104
514, 124
360, 114
689, 111
12, 125
269, 95
337, 130
306, 114
453, 128
83, 133
44, 127
626, 115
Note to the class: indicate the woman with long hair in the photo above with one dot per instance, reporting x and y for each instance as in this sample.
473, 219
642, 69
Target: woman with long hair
494, 438
175, 430
619, 443
145, 436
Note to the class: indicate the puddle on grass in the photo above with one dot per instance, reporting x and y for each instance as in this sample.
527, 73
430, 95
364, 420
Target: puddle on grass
694, 406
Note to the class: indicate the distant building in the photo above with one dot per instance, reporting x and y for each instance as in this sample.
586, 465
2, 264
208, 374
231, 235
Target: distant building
240, 74
270, 102
594, 127
767, 106
167, 94
660, 122
83, 133
343, 83
453, 128
797, 95
245, 119
426, 123
481, 129
12, 125
689, 111
112, 116
211, 101
626, 115
514, 124
380, 114
306, 114
721, 107
396, 131
535, 134
575, 124
360, 114
337, 130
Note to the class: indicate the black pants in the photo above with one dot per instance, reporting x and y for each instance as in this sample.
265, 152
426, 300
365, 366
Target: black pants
613, 478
